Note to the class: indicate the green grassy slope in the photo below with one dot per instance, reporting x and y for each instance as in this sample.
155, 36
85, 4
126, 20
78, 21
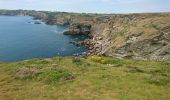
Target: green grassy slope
94, 78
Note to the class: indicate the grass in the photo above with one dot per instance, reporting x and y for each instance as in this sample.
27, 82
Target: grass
150, 26
94, 78
118, 34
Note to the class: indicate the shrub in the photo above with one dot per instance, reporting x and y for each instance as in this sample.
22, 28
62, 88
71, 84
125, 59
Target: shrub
100, 60
96, 58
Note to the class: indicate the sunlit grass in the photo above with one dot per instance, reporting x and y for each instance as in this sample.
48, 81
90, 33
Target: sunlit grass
94, 78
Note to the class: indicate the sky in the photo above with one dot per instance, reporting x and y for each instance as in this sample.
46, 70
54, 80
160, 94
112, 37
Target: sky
89, 6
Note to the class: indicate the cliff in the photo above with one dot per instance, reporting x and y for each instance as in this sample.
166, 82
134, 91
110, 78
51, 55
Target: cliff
138, 36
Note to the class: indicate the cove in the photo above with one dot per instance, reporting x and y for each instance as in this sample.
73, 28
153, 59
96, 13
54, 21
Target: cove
22, 39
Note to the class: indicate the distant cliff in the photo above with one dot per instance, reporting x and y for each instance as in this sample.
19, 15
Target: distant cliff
136, 36
61, 18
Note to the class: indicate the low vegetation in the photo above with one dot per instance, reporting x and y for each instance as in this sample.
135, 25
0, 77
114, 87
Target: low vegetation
94, 78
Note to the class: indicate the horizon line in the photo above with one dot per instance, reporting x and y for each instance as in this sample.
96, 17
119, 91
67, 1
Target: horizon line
149, 12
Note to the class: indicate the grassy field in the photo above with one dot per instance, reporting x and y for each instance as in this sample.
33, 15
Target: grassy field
94, 78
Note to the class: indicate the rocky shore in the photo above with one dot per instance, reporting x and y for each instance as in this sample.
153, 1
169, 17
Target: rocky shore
136, 36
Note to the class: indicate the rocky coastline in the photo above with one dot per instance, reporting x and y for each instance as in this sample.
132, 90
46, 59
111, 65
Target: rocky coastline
136, 36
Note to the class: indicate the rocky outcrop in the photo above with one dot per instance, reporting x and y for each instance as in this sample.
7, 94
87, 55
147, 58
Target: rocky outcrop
77, 29
135, 36
156, 48
58, 19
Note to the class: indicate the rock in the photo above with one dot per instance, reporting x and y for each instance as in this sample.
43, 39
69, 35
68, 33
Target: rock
78, 43
37, 22
78, 29
77, 59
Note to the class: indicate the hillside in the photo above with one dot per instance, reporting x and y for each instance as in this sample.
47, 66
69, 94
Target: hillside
94, 78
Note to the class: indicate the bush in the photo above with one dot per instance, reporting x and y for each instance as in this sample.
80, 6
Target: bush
96, 58
100, 60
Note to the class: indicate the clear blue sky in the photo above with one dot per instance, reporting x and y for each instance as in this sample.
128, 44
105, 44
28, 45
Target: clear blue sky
90, 6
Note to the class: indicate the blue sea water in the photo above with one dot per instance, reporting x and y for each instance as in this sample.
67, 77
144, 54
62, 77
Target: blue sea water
21, 39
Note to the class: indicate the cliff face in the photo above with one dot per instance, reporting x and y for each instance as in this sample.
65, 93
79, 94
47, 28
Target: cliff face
76, 29
136, 36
